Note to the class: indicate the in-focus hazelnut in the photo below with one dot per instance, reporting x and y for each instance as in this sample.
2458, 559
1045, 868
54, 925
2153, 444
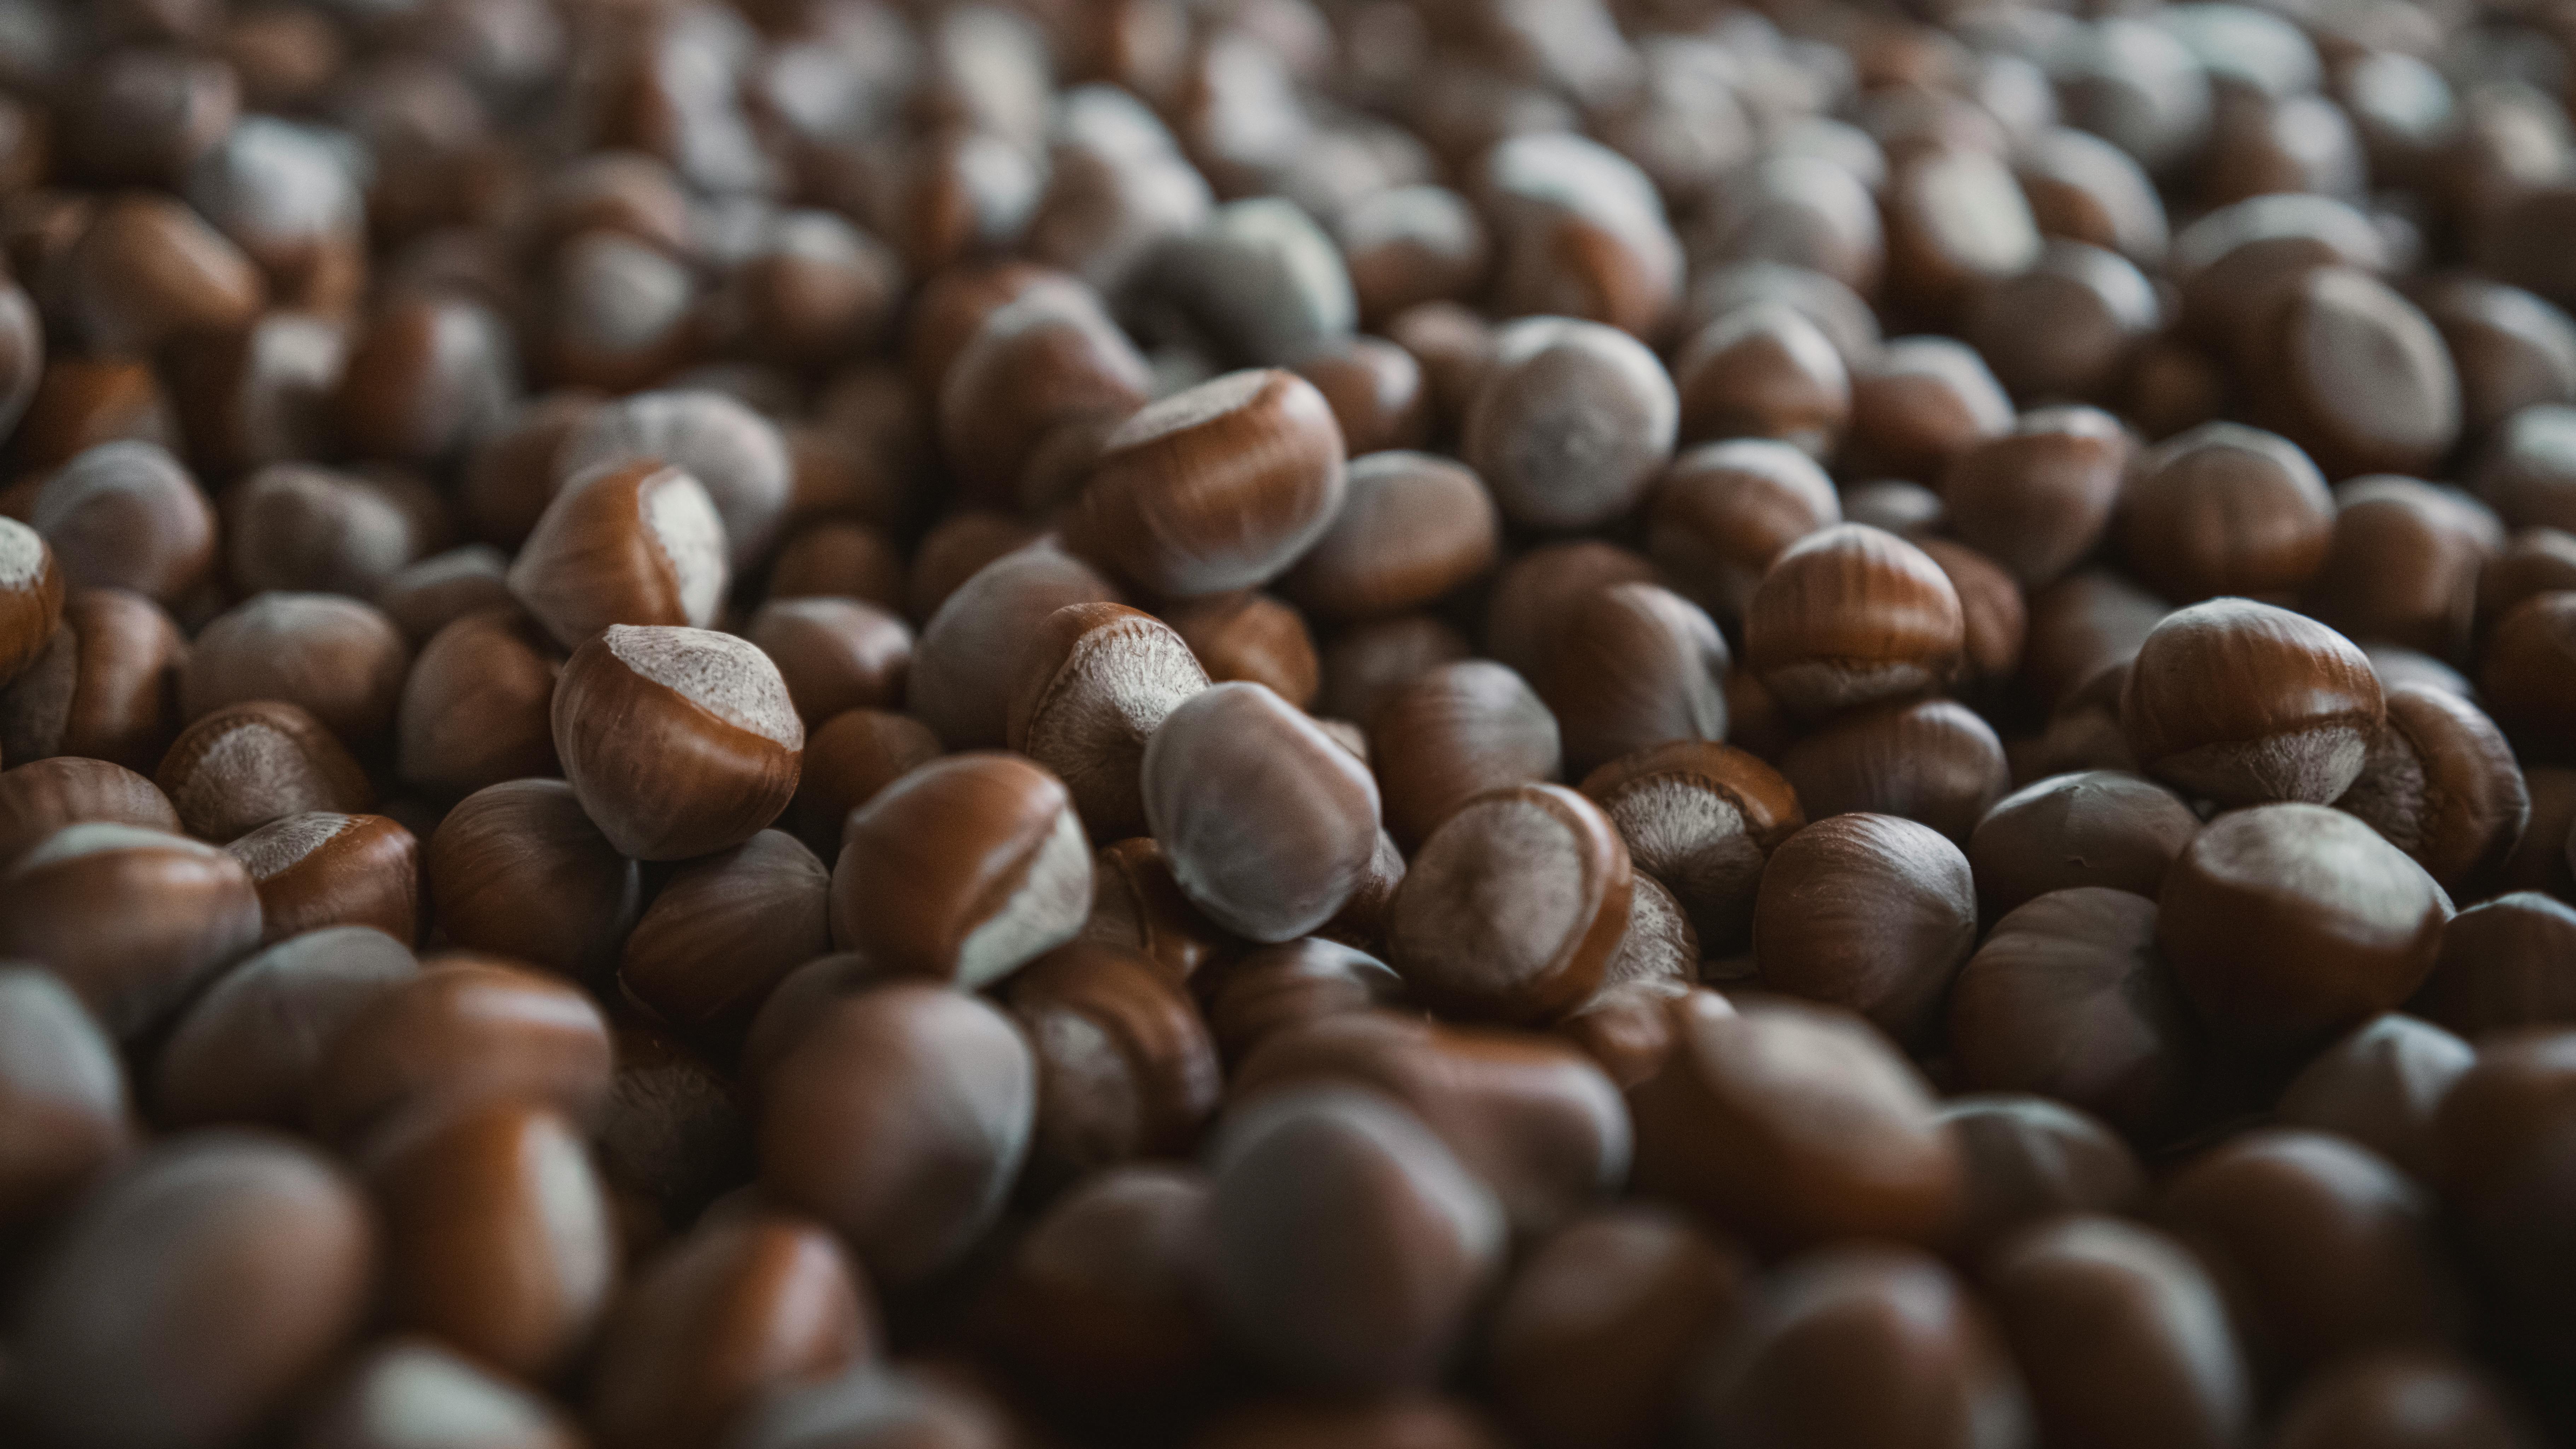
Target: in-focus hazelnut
678, 742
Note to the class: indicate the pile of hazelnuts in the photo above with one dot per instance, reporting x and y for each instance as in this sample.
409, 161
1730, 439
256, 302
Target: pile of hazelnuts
1287, 724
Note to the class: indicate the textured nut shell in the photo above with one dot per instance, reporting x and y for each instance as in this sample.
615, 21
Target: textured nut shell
633, 543
1852, 614
1513, 908
679, 742
1099, 680
518, 870
132, 918
2242, 702
1702, 818
327, 869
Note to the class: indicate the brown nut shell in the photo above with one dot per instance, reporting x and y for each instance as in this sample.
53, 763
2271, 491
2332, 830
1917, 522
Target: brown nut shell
1850, 615
679, 742
323, 869
1514, 906
2242, 702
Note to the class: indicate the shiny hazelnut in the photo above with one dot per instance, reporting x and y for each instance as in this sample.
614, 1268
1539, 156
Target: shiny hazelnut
1534, 593
426, 377
836, 654
2084, 828
42, 796
2242, 702
149, 269
724, 930
300, 527
631, 544
1252, 638
1763, 371
425, 597
245, 765
323, 869
2498, 967
963, 870
133, 919
2382, 1086
1513, 907
127, 515
518, 870
1029, 400
1454, 732
678, 742
1868, 912
1571, 424
1217, 488
847, 762
2404, 563
246, 1048
1918, 403
2441, 783
1724, 511
2038, 499
1268, 824
1137, 905
1850, 615
2525, 672
462, 1033
2224, 509
31, 597
737, 456
2285, 923
1633, 665
1376, 391
966, 664
1366, 663
477, 706
340, 660
1100, 680
1126, 1066
1932, 761
2029, 1159
510, 477
66, 1095
106, 687
1412, 529
1701, 818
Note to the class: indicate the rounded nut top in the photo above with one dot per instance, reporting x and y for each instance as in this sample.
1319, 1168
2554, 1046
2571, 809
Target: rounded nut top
627, 543
1513, 908
1219, 487
31, 597
1852, 614
677, 741
2242, 702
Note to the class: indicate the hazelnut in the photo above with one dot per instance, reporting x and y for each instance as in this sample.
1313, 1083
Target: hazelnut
1126, 1067
2242, 702
2441, 783
1571, 424
849, 760
340, 660
245, 765
1724, 511
2085, 828
835, 654
1633, 665
1454, 732
127, 515
739, 458
42, 796
31, 597
1100, 679
463, 1033
1514, 906
628, 544
1763, 371
132, 919
246, 1048
106, 687
963, 870
477, 708
1868, 912
966, 665
1702, 818
678, 742
2225, 509
724, 930
1252, 638
518, 870
324, 869
1927, 760
1850, 615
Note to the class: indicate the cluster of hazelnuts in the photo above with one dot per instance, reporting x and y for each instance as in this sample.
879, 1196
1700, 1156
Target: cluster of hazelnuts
1287, 724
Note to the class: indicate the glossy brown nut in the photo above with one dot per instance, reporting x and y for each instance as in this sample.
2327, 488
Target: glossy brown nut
246, 1049
2499, 967
2502, 1141
836, 654
1026, 404
127, 515
2441, 783
168, 1247
2288, 922
674, 1136
2224, 509
1724, 511
84, 403
1534, 592
2382, 1086
2403, 1397
2525, 473
631, 544
2511, 348
1894, 505
465, 1031
1100, 679
1592, 1338
293, 526
966, 665
1580, 233
42, 796
2363, 381
31, 597
148, 269
1850, 615
1514, 906
1367, 663
322, 869
2087, 828
426, 377
1632, 666
1454, 732
847, 762
1919, 402
1571, 423
1217, 488
621, 315
1956, 222
738, 456
2403, 564
740, 1307
1763, 371
1126, 1067
1276, 989
2322, 1248
1529, 1115
2525, 674
1701, 818
962, 871
1411, 530
724, 930
2534, 561
1794, 1124
954, 550
133, 919
1861, 1344
1269, 825
1868, 912
383, 1397
815, 290
1101, 1299
477, 706
518, 870
1348, 1243
2070, 999
425, 597
339, 659
1408, 245
900, 1118
1932, 761
2070, 327
105, 687
63, 1092
2120, 1336
679, 742
2241, 702
497, 1234
2030, 1159
2037, 499
1252, 638
1375, 389
1453, 345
